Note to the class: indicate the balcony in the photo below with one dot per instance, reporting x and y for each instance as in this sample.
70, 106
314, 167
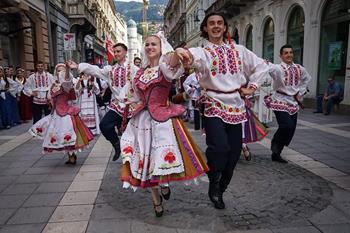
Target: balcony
79, 14
229, 8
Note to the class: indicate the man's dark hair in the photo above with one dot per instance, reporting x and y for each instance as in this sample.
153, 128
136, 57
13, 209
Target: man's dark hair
204, 34
286, 46
121, 45
39, 62
137, 58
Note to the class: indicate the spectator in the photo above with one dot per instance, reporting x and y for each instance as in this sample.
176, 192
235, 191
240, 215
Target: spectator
137, 62
334, 94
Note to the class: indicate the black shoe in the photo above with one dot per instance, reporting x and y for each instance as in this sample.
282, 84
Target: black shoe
157, 212
72, 159
278, 158
166, 195
116, 152
217, 200
326, 113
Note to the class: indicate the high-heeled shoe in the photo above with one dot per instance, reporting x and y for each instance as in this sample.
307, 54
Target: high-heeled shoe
159, 213
166, 195
246, 153
72, 159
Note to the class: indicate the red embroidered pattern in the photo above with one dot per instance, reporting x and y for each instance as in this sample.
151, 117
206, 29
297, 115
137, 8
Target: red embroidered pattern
41, 80
218, 64
292, 75
280, 106
227, 113
120, 75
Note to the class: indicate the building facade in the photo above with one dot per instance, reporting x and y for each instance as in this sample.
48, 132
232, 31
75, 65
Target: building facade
23, 33
175, 22
317, 29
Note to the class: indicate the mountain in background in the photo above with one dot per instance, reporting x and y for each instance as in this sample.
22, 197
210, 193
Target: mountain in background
133, 10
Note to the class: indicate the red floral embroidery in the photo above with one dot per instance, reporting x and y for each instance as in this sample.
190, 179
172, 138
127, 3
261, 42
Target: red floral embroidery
128, 150
67, 137
53, 140
170, 157
140, 164
39, 130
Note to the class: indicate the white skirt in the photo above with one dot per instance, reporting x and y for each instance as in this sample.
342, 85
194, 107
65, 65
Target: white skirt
150, 147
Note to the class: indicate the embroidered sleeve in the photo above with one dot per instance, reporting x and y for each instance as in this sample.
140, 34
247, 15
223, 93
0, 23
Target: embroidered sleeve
254, 68
28, 86
95, 70
201, 62
276, 75
304, 81
170, 73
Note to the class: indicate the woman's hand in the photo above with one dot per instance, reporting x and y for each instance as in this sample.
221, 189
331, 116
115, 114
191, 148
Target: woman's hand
185, 56
71, 64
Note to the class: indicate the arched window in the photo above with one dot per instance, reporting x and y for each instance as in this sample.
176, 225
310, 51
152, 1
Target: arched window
235, 35
268, 39
295, 36
334, 42
249, 38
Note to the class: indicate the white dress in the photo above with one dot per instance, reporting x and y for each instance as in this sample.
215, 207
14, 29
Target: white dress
88, 106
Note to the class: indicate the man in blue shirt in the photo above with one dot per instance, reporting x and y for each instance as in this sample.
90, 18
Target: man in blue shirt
334, 94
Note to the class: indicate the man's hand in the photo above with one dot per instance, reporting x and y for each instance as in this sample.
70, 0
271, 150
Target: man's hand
246, 91
185, 56
35, 93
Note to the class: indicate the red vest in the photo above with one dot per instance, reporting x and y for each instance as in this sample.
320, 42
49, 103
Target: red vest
154, 96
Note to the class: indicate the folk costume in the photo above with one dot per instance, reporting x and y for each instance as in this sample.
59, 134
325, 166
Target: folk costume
289, 82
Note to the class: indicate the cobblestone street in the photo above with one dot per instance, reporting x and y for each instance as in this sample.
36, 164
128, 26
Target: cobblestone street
309, 194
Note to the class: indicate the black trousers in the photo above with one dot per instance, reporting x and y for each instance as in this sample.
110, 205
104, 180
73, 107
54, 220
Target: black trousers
285, 132
197, 116
107, 125
224, 143
38, 110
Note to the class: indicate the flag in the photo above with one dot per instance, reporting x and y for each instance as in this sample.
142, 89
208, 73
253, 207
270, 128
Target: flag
109, 49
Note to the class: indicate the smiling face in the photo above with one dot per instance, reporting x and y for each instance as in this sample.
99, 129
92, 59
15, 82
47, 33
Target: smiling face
119, 53
287, 55
215, 28
40, 67
152, 48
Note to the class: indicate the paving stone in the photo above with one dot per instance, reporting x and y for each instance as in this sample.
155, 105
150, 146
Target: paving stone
335, 228
105, 211
86, 176
5, 214
27, 228
72, 213
138, 227
39, 170
85, 186
309, 229
32, 215
7, 179
110, 226
60, 177
13, 171
20, 189
12, 201
27, 179
66, 227
46, 199
54, 187
330, 215
79, 198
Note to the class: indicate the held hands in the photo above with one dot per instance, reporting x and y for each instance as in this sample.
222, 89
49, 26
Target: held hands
71, 64
184, 56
